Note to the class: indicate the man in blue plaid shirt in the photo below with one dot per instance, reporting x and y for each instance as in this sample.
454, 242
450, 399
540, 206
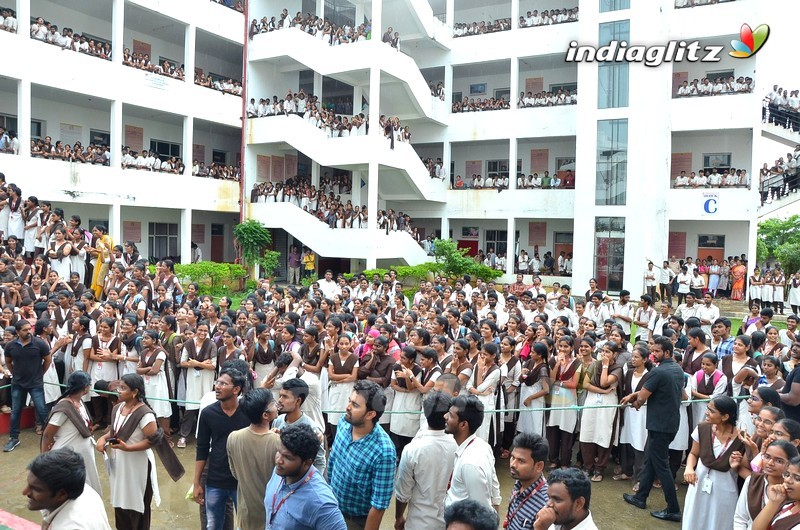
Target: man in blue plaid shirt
362, 462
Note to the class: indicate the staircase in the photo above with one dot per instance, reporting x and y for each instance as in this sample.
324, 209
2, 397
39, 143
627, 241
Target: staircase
338, 243
352, 153
342, 62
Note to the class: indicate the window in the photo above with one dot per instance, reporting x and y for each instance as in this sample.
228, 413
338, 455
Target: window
502, 93
572, 87
724, 74
165, 149
562, 238
612, 162
614, 5
9, 123
612, 78
219, 157
498, 240
497, 168
163, 240
36, 129
609, 257
457, 97
707, 241
99, 137
721, 161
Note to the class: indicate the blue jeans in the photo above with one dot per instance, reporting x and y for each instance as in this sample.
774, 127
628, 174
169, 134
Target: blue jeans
216, 498
18, 398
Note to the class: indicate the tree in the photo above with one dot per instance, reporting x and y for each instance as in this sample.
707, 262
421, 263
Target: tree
253, 240
774, 233
454, 261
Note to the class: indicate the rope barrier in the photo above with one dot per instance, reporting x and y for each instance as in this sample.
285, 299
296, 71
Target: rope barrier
106, 392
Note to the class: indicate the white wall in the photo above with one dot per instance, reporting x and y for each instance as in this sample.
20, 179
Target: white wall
217, 139
265, 80
66, 17
493, 82
158, 47
699, 70
738, 143
211, 63
8, 102
54, 113
482, 13
493, 151
530, 5
735, 234
156, 130
551, 76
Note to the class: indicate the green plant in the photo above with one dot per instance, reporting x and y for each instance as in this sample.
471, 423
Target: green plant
253, 240
212, 278
789, 256
453, 262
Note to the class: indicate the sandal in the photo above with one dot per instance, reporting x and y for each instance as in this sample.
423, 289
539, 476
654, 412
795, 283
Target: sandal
620, 476
597, 477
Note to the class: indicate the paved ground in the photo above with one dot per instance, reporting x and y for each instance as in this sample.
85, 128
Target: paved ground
177, 513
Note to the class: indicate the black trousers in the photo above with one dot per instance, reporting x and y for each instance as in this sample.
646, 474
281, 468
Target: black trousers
656, 466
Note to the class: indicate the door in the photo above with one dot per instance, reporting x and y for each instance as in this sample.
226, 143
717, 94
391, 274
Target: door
609, 263
715, 253
217, 243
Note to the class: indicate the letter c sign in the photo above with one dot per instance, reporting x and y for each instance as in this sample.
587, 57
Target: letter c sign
710, 206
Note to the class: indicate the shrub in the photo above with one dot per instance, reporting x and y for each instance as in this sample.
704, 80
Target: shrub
212, 278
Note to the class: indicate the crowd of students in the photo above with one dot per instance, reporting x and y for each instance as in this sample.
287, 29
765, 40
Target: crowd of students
782, 107
716, 87
224, 85
713, 178
45, 148
318, 27
141, 61
547, 99
781, 178
68, 39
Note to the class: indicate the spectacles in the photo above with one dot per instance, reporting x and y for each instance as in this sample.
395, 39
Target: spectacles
768, 423
221, 383
779, 434
777, 461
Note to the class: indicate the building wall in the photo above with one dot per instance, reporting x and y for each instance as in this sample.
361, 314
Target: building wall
736, 235
65, 17
739, 143
54, 113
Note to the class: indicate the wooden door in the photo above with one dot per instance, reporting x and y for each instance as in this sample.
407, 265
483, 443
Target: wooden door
217, 243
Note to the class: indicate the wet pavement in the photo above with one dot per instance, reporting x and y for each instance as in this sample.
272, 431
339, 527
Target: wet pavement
177, 513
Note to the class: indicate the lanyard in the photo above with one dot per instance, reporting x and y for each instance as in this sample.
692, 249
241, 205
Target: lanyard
789, 508
511, 514
724, 447
274, 510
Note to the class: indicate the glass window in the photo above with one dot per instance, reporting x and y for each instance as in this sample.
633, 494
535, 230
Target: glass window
617, 30
612, 162
609, 257
498, 240
614, 5
612, 85
163, 240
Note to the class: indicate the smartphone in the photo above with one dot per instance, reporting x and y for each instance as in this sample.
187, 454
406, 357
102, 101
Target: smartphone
113, 441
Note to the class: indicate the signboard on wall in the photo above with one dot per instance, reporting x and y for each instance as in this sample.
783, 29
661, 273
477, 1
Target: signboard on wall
534, 85
132, 231
474, 167
539, 160
277, 169
141, 47
677, 244
134, 137
199, 152
677, 80
537, 234
680, 162
263, 168
199, 233
291, 166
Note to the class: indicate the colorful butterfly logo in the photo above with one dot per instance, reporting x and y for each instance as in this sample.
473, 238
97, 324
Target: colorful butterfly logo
751, 41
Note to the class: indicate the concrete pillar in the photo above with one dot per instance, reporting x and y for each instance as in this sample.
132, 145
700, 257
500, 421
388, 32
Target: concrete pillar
445, 227
321, 8
752, 235
355, 197
374, 103
188, 140
359, 13
512, 164
377, 16
447, 158
117, 138
315, 174
514, 17
372, 215
448, 84
514, 72
511, 245
358, 93
117, 30
450, 11
318, 86
189, 42
115, 223
186, 235
24, 112
24, 22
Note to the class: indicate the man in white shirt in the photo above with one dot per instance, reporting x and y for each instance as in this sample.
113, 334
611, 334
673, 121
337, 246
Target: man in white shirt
57, 487
9, 22
688, 309
662, 319
682, 180
645, 318
474, 476
707, 313
562, 309
39, 30
329, 287
425, 467
596, 311
622, 312
789, 335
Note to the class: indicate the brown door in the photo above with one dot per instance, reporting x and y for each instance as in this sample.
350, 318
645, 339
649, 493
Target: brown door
715, 253
217, 243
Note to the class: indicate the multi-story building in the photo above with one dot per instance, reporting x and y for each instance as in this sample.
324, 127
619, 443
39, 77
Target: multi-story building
624, 141
47, 91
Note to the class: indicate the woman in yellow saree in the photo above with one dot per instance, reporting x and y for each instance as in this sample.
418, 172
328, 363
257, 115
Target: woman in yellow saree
102, 251
738, 275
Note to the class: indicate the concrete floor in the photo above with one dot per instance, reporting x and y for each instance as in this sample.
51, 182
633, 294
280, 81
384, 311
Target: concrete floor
177, 513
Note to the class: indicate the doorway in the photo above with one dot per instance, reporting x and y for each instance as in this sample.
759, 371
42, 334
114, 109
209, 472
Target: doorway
217, 243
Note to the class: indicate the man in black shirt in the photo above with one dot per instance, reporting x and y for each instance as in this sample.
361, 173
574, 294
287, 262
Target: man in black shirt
27, 358
662, 391
216, 422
